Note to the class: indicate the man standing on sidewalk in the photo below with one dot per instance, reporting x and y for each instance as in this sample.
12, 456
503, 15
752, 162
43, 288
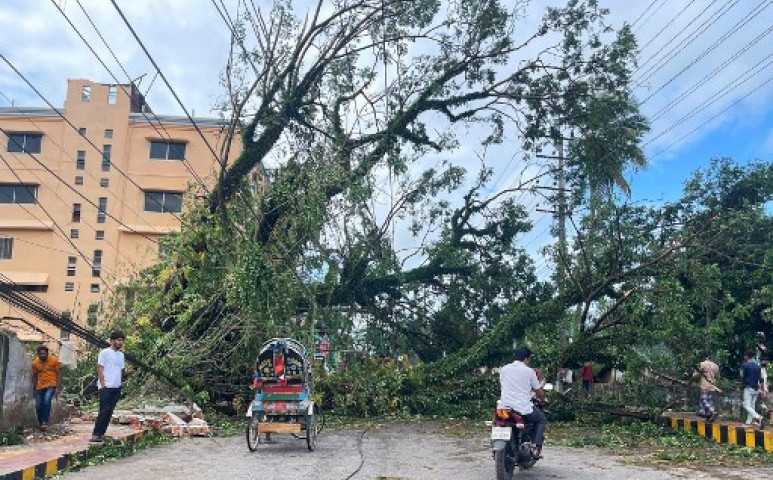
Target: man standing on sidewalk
47, 380
110, 367
751, 378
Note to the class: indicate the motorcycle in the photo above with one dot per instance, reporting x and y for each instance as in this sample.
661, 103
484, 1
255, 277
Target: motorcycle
511, 441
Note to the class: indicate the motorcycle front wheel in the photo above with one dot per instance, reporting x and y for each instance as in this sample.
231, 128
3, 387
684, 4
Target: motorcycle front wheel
504, 463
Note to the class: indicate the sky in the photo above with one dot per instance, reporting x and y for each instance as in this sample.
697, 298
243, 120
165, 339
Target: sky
726, 67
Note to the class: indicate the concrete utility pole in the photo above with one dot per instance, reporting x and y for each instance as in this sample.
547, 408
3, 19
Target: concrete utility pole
561, 214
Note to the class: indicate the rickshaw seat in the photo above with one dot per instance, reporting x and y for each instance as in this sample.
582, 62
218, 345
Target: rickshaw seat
294, 388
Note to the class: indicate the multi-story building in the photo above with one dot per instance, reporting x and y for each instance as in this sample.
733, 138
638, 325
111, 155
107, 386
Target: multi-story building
85, 195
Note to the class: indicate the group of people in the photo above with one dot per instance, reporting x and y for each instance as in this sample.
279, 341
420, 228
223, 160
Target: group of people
566, 378
47, 382
753, 384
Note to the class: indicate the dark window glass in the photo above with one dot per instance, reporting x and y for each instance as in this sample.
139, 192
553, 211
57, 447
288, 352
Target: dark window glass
24, 142
163, 150
102, 212
6, 248
109, 133
158, 150
69, 287
100, 235
76, 212
96, 265
106, 154
74, 233
80, 163
94, 288
78, 180
176, 151
18, 194
71, 264
104, 182
165, 202
82, 131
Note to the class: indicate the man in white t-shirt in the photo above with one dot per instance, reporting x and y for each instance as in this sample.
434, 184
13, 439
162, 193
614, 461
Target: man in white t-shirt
110, 367
518, 381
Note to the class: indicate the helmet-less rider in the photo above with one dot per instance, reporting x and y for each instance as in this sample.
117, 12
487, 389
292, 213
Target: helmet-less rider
519, 382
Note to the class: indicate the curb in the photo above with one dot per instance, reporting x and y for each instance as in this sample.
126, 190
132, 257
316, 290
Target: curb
56, 465
722, 433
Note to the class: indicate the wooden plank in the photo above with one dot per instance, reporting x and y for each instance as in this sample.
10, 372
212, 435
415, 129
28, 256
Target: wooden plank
271, 427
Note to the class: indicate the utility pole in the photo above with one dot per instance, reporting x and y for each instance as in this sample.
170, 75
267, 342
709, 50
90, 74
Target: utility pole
561, 215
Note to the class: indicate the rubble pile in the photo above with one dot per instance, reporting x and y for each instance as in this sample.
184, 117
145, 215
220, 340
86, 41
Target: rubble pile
176, 420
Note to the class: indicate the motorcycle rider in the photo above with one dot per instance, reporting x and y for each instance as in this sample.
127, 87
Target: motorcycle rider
518, 382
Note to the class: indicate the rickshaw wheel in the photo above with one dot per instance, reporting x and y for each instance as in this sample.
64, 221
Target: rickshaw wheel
311, 432
253, 433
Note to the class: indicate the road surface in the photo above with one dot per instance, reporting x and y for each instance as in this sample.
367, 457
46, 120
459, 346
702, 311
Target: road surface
395, 451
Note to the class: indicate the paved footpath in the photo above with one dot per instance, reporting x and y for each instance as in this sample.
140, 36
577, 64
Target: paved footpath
399, 451
49, 457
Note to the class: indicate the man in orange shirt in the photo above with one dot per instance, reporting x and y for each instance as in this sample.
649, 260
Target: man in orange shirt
47, 380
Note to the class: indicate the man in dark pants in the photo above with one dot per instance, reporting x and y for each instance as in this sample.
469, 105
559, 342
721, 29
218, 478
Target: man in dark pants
518, 382
110, 367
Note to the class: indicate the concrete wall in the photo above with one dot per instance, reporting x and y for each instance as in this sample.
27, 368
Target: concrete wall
18, 401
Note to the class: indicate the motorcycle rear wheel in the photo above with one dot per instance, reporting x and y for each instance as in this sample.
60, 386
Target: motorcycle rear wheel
504, 463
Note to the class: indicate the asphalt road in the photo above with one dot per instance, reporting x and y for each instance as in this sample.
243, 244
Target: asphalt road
392, 452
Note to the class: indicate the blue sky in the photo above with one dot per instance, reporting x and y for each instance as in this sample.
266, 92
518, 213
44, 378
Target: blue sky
190, 42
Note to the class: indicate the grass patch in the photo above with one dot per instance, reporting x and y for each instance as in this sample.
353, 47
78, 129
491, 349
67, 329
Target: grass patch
11, 437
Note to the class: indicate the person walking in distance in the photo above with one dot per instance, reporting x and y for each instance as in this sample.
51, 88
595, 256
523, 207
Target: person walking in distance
709, 374
587, 377
47, 381
110, 365
751, 379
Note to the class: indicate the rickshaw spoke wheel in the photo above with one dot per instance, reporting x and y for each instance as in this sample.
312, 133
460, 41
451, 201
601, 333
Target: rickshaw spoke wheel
253, 433
311, 432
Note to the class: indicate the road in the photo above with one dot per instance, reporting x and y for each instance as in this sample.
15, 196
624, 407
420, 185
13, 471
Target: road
398, 451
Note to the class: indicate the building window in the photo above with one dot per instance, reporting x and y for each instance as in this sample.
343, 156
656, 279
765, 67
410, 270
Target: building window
76, 212
163, 150
109, 133
100, 235
69, 287
86, 93
64, 334
106, 153
112, 93
71, 263
79, 180
6, 248
104, 182
18, 194
94, 288
80, 162
82, 131
96, 265
102, 212
74, 233
25, 142
93, 314
163, 202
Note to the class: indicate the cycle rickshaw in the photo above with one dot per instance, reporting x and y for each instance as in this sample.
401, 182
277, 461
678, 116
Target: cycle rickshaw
283, 388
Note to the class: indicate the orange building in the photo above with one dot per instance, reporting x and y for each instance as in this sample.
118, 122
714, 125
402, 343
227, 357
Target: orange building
85, 196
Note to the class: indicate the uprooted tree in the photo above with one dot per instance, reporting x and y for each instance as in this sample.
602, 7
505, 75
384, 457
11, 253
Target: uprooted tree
353, 111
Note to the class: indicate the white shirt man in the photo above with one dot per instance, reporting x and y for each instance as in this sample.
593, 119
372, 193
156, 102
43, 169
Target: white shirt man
518, 381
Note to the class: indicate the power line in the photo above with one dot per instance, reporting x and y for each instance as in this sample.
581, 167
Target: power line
61, 149
651, 14
735, 56
119, 84
750, 16
666, 58
163, 77
61, 230
673, 19
644, 12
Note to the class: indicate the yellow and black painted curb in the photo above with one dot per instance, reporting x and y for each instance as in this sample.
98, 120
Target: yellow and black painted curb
724, 433
51, 467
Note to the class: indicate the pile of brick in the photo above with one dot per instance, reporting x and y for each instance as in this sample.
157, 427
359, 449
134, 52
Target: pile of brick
176, 420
